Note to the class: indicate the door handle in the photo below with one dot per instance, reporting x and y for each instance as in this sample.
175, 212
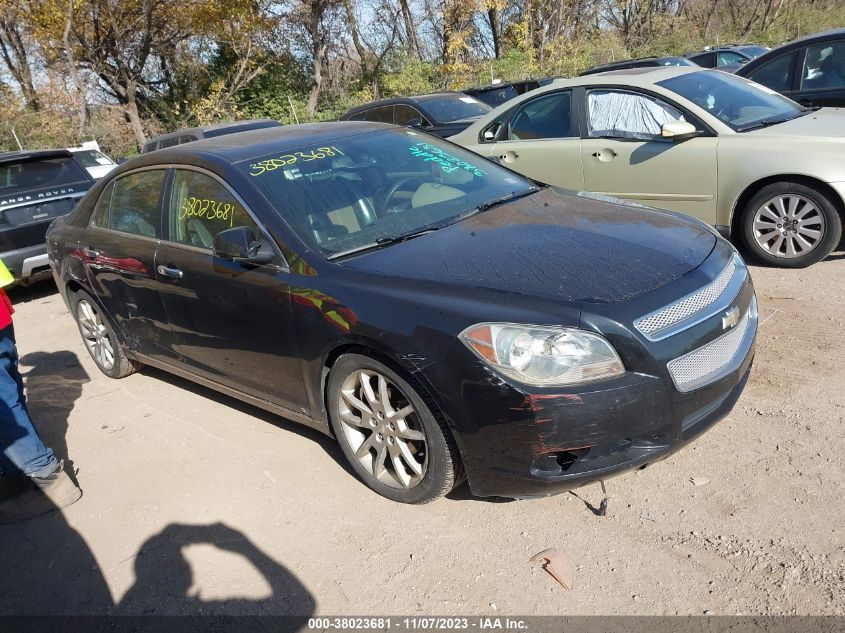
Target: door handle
605, 155
91, 253
169, 272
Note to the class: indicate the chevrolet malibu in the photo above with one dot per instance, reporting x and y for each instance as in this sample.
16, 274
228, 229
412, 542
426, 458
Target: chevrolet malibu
439, 315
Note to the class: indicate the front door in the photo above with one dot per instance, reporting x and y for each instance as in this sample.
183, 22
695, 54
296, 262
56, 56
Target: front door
822, 78
119, 249
541, 142
624, 155
232, 322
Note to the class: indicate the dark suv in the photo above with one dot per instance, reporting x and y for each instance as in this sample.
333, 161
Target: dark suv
35, 188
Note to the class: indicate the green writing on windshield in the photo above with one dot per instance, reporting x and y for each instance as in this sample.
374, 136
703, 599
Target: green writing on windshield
447, 162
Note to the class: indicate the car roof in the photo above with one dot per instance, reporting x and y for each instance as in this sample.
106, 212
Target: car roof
26, 156
640, 76
216, 127
408, 99
240, 146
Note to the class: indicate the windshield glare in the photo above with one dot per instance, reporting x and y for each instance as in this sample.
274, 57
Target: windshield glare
445, 108
739, 103
376, 186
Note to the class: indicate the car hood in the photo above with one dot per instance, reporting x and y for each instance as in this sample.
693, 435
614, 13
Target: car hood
828, 123
553, 244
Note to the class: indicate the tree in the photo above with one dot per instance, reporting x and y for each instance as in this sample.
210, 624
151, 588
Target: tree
15, 48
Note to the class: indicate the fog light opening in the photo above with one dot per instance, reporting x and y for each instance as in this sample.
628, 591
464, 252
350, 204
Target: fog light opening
559, 462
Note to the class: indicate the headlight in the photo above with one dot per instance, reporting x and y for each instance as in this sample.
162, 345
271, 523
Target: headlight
543, 355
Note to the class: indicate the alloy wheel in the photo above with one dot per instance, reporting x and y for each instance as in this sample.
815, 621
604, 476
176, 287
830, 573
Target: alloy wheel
383, 429
788, 226
95, 335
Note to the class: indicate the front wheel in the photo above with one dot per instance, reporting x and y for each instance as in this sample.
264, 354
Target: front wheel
791, 225
99, 338
388, 433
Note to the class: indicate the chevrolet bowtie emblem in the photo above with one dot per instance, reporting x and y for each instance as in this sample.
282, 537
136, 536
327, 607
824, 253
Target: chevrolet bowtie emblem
730, 318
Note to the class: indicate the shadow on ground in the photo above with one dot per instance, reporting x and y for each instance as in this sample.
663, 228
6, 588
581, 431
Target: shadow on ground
49, 569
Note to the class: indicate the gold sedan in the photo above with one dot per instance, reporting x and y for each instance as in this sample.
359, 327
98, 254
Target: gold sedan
736, 155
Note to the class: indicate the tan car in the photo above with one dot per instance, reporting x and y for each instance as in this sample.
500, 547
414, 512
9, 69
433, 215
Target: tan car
725, 150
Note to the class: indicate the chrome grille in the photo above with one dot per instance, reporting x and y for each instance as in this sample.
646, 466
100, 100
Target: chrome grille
709, 362
657, 323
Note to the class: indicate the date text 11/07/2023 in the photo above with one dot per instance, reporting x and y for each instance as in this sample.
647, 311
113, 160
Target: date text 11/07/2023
422, 623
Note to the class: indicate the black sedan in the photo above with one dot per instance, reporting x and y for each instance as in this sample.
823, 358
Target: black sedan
809, 70
438, 314
443, 114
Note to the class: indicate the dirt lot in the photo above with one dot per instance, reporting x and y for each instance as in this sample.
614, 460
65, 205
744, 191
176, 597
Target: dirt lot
194, 502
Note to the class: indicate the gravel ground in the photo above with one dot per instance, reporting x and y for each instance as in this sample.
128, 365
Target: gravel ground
197, 503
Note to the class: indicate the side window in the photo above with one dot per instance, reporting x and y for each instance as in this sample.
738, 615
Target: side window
705, 60
723, 58
405, 114
100, 214
549, 116
201, 207
620, 114
777, 74
824, 66
358, 116
135, 203
381, 115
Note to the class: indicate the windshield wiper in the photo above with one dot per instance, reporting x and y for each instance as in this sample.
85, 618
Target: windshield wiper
767, 122
387, 240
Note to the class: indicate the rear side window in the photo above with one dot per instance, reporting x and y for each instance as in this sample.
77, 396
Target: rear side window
549, 116
705, 60
201, 207
134, 205
404, 114
100, 215
723, 58
777, 74
381, 115
824, 66
358, 116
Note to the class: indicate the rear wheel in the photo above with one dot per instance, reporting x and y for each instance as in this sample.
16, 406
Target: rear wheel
99, 338
791, 225
388, 433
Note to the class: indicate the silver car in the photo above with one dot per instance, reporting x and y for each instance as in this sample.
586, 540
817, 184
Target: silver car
746, 160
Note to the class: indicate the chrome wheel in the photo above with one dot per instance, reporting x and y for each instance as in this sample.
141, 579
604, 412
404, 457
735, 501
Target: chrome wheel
788, 226
383, 429
95, 335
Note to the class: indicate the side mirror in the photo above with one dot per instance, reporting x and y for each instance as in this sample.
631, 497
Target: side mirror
490, 133
414, 123
678, 130
239, 245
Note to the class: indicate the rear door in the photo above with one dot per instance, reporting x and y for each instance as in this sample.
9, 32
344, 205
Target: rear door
232, 322
821, 80
625, 156
541, 140
119, 249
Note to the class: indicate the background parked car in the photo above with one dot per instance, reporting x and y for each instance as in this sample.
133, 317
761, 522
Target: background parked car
382, 285
810, 70
642, 62
750, 162
497, 93
190, 134
439, 113
89, 156
35, 188
726, 55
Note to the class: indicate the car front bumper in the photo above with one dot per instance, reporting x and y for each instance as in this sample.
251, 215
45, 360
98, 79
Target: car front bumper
526, 442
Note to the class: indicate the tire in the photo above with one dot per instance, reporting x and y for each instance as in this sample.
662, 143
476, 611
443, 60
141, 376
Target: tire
783, 219
362, 422
99, 338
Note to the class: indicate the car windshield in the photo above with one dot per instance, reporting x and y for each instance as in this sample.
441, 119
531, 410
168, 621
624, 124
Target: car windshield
497, 96
754, 51
375, 188
445, 108
39, 174
741, 104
